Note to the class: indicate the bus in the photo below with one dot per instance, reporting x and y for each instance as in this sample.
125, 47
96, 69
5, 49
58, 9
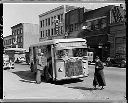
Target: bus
16, 54
68, 58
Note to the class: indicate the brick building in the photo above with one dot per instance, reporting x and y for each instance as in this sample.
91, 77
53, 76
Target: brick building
47, 22
23, 35
101, 30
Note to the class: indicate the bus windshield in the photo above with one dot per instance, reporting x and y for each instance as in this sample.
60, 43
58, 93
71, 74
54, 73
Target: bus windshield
74, 52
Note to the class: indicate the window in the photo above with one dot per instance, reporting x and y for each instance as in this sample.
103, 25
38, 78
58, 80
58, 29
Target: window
95, 23
41, 34
21, 39
52, 32
41, 24
52, 21
61, 17
58, 17
21, 30
61, 29
103, 23
15, 32
48, 32
71, 28
48, 21
76, 26
89, 25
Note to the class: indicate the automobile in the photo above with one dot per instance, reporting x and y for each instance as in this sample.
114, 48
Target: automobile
7, 64
119, 62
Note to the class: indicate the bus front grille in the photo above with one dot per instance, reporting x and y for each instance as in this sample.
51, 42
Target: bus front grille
73, 68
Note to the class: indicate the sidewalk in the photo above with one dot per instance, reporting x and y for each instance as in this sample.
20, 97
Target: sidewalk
14, 88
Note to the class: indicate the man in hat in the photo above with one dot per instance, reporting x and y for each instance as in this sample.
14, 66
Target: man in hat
99, 78
42, 62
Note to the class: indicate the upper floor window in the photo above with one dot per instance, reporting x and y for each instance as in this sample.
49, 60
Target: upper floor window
52, 21
61, 17
41, 24
48, 21
103, 23
48, 32
58, 17
41, 34
89, 25
52, 32
21, 39
61, 30
21, 30
71, 28
76, 26
95, 24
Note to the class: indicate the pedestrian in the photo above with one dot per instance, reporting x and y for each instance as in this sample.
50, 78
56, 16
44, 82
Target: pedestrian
41, 64
99, 78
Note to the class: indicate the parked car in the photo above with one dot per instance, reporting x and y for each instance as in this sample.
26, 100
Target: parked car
7, 64
120, 62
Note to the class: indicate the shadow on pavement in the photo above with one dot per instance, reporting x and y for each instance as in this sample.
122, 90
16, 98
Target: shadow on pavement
27, 81
62, 82
26, 75
84, 88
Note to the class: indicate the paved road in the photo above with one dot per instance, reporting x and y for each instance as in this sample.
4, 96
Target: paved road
115, 80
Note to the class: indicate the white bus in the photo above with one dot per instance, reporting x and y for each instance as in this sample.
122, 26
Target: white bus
68, 56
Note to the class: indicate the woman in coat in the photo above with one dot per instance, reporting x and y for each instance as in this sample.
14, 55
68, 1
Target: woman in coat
99, 78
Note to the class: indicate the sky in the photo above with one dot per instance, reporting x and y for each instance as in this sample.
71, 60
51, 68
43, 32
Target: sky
14, 13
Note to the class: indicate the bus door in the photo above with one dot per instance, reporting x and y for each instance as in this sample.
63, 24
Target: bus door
59, 65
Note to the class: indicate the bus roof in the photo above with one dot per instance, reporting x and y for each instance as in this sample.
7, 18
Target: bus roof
54, 41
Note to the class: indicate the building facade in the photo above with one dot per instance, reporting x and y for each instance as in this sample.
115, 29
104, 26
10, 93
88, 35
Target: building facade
47, 21
100, 27
73, 22
23, 35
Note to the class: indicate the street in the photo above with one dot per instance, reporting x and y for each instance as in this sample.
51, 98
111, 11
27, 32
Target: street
115, 88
